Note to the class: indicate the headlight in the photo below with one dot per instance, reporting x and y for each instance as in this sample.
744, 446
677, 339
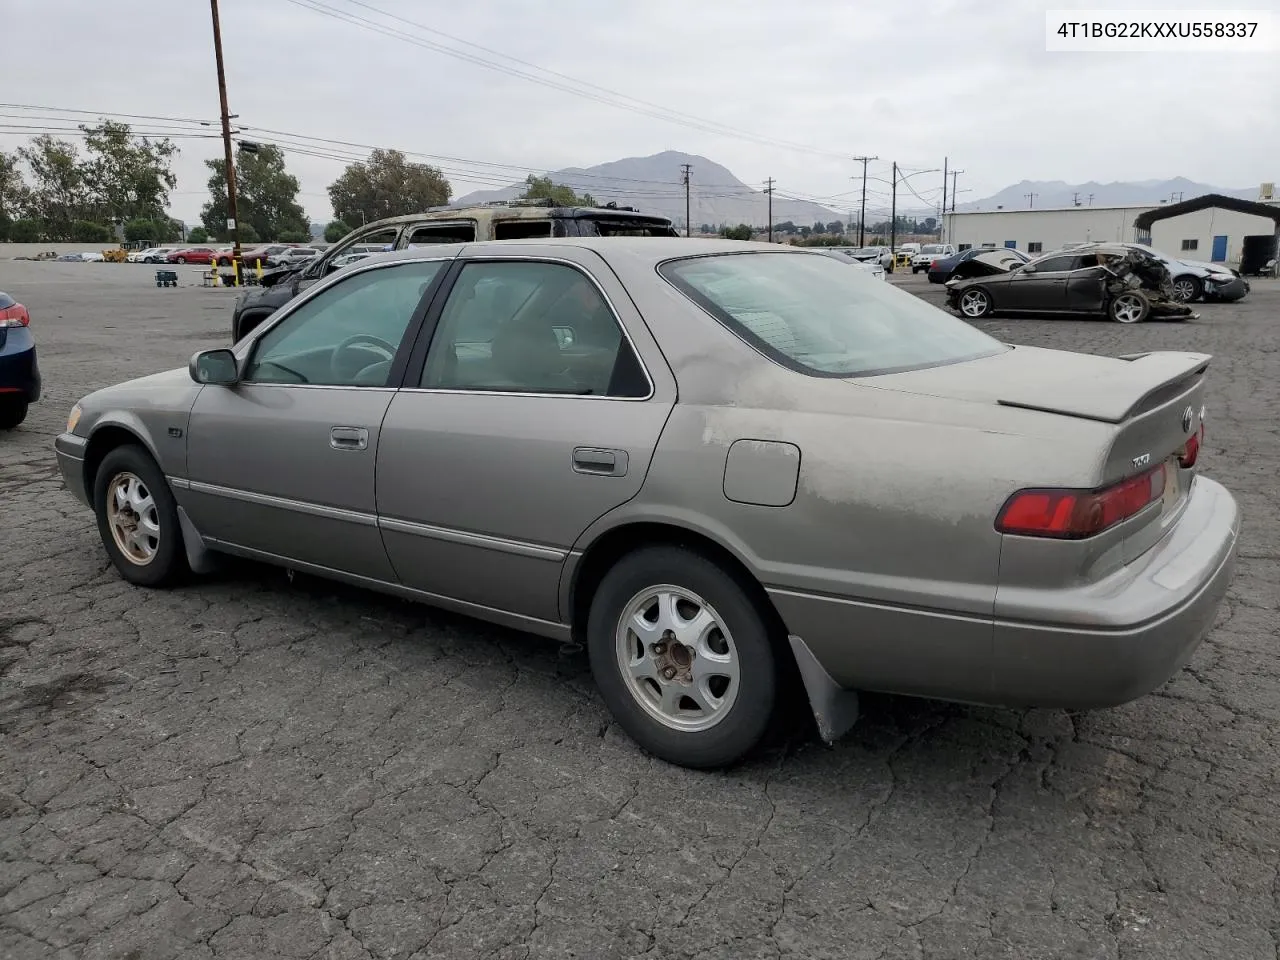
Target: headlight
73, 418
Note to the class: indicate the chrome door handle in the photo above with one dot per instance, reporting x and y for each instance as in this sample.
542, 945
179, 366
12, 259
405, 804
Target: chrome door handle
348, 438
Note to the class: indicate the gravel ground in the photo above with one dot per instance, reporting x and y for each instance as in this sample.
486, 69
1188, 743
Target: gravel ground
258, 767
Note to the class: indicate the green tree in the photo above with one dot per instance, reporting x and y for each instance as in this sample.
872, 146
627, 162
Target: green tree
198, 235
86, 231
13, 193
26, 231
335, 231
541, 188
805, 231
266, 195
741, 232
294, 236
144, 230
705, 228
819, 227
126, 177
58, 195
835, 226
387, 185
248, 234
786, 226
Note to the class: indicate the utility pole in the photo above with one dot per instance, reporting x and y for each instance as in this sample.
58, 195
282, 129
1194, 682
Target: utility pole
893, 215
686, 168
1031, 199
954, 175
768, 189
232, 222
1091, 199
862, 217
1075, 199
942, 211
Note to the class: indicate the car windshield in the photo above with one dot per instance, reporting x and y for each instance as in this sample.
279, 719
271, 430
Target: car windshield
811, 313
867, 251
931, 248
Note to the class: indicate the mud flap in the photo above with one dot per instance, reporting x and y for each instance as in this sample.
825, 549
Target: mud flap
199, 557
835, 709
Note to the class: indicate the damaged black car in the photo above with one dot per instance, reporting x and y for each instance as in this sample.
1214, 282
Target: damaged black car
1123, 283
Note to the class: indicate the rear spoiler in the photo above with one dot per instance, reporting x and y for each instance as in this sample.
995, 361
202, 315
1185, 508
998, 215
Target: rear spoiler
1150, 380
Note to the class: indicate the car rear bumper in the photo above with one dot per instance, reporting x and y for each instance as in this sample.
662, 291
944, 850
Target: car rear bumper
69, 450
1110, 642
19, 368
1097, 645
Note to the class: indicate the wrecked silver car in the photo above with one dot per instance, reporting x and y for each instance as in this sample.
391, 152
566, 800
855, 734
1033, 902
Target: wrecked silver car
1112, 280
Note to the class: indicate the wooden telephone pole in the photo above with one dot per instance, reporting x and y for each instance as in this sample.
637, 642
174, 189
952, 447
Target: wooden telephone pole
233, 223
686, 168
768, 189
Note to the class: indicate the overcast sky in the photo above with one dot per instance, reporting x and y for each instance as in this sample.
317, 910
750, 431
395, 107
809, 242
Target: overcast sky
805, 85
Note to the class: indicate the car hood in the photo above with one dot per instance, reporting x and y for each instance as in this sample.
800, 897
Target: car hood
1090, 387
988, 264
161, 390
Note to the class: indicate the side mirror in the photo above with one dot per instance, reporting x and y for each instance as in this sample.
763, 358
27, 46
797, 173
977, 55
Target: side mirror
216, 367
1026, 268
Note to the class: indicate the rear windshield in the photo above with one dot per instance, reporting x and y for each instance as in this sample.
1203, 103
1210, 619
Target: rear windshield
6, 301
813, 314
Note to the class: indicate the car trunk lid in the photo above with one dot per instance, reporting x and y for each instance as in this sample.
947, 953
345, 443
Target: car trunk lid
1153, 401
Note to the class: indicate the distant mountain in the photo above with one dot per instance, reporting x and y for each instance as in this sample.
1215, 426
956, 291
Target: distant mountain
1056, 193
653, 185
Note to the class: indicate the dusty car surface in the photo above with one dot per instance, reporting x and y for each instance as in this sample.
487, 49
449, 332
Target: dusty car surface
1126, 283
708, 461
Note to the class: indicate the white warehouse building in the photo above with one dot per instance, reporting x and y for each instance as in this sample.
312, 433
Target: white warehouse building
1211, 227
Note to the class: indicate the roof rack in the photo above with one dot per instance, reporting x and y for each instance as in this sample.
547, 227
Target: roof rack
520, 202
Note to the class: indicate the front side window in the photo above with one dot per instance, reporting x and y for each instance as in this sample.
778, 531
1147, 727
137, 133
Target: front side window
349, 334
812, 314
531, 327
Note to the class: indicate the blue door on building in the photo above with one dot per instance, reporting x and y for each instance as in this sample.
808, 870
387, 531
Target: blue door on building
1011, 244
1219, 249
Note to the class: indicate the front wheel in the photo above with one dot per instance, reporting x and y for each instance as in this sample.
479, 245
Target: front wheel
180, 260
682, 657
975, 303
1129, 307
138, 518
1187, 289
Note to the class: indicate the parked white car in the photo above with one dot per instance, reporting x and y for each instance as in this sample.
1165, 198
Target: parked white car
929, 253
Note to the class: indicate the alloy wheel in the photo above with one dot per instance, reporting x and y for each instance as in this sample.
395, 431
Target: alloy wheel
677, 658
973, 303
133, 518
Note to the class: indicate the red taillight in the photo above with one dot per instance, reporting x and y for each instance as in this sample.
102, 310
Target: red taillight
1076, 514
933, 265
1191, 449
14, 317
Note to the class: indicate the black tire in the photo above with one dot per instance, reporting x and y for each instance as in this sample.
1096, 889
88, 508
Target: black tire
169, 563
748, 716
1190, 283
12, 412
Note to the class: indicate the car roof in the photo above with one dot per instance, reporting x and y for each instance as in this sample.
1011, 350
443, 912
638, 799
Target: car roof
650, 250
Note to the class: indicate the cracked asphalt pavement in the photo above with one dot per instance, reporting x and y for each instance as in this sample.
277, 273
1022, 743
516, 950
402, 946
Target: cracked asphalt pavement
254, 766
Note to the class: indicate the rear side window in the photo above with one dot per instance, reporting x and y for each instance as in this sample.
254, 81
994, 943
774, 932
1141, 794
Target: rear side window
813, 314
521, 229
594, 227
443, 233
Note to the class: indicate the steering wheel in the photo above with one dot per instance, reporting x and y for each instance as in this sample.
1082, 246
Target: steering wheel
387, 348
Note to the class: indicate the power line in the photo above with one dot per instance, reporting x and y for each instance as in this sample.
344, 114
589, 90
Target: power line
642, 108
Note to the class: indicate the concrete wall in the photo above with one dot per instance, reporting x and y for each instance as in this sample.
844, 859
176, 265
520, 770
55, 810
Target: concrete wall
1202, 226
1055, 228
1050, 228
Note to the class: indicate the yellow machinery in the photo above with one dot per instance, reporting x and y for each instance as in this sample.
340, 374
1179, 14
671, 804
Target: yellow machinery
902, 259
116, 255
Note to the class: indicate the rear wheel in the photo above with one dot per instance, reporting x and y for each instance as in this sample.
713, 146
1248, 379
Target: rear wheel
682, 657
138, 518
1129, 307
1187, 288
12, 412
975, 303
180, 260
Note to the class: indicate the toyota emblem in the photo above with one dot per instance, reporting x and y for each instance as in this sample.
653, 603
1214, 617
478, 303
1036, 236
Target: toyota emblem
1187, 416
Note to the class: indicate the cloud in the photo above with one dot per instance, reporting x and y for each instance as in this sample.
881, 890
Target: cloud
969, 80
